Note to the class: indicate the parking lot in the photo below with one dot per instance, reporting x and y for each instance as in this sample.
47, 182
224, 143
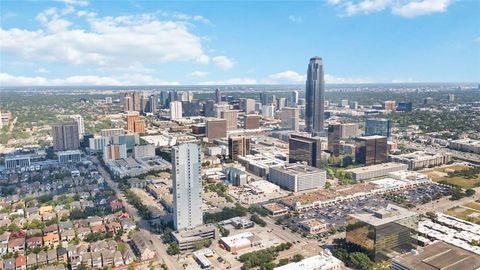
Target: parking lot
336, 215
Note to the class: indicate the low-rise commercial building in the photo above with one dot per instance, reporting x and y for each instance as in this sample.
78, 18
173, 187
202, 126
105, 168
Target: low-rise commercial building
187, 238
69, 156
324, 261
438, 255
313, 226
374, 171
465, 145
240, 241
297, 177
421, 159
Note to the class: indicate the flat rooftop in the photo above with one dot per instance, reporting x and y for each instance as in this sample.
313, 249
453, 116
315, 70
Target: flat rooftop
385, 215
440, 255
383, 166
297, 168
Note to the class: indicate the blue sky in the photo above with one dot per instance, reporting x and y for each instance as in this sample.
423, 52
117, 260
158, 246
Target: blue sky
78, 42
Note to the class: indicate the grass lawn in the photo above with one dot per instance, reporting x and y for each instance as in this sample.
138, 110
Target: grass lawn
440, 174
473, 205
465, 214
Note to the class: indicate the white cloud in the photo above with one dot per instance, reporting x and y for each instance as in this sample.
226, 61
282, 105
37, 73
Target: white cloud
422, 7
75, 2
287, 76
199, 74
366, 6
124, 80
230, 81
223, 62
41, 70
110, 41
295, 19
404, 8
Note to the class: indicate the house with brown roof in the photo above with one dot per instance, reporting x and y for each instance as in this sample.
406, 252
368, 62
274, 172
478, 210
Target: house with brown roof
52, 256
98, 228
83, 232
51, 239
67, 235
51, 229
16, 245
114, 227
34, 241
31, 260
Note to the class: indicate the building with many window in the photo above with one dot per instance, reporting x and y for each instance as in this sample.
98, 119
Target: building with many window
370, 150
65, 136
304, 148
297, 177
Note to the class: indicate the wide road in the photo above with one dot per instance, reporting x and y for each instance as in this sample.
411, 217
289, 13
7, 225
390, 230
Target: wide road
144, 225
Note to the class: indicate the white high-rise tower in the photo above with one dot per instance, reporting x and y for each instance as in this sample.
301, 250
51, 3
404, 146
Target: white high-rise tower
187, 186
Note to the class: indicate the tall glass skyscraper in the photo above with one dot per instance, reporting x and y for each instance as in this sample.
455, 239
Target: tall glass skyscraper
187, 186
315, 97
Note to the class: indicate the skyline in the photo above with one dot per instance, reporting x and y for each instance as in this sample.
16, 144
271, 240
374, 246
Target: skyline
76, 43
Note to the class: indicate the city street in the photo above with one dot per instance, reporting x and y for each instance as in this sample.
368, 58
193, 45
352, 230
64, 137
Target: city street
160, 248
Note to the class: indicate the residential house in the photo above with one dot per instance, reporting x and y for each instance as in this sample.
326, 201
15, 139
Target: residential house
83, 232
97, 260
128, 255
51, 239
100, 228
107, 257
16, 245
52, 256
114, 227
118, 259
20, 263
128, 224
67, 235
51, 229
94, 221
9, 264
142, 247
31, 260
42, 258
81, 223
34, 241
65, 225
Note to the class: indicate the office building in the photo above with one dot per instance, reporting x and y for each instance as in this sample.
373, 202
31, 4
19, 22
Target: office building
139, 126
236, 176
65, 136
378, 126
389, 105
17, 161
114, 152
143, 151
238, 146
349, 130
218, 96
175, 110
353, 105
451, 97
427, 101
219, 108
186, 96
231, 118
315, 96
439, 255
281, 103
164, 99
187, 186
69, 156
420, 159
247, 105
96, 144
290, 118
188, 240
129, 140
405, 107
251, 121
371, 150
81, 127
209, 108
127, 101
383, 233
264, 98
334, 135
216, 129
131, 119
268, 111
343, 103
191, 108
293, 101
303, 148
297, 177
112, 132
